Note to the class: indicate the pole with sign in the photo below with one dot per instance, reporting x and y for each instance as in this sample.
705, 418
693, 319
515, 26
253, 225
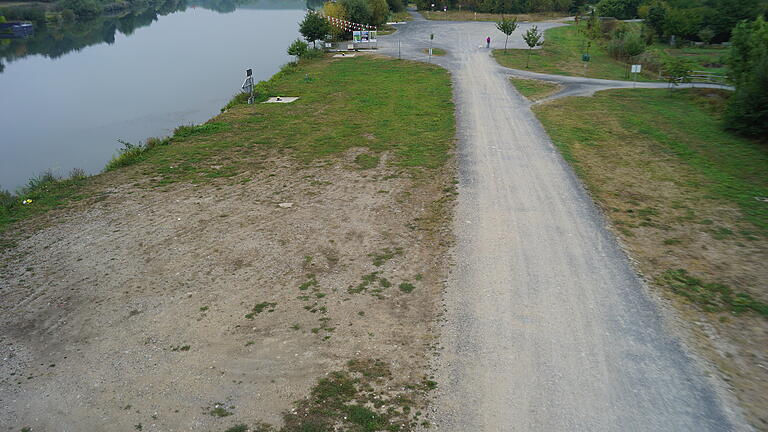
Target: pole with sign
636, 69
248, 85
431, 37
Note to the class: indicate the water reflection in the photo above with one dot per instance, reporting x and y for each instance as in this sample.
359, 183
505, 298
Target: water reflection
56, 40
68, 93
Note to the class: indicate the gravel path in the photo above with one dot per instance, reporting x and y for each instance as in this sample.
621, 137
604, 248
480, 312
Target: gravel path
548, 328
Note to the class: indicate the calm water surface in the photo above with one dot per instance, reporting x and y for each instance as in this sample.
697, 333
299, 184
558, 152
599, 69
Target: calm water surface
69, 112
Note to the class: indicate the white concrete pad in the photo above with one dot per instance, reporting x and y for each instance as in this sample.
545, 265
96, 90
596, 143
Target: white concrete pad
344, 55
281, 99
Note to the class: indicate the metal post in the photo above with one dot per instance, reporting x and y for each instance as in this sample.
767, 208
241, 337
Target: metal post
399, 52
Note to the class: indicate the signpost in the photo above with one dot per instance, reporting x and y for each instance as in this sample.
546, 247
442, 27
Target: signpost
586, 58
248, 85
636, 69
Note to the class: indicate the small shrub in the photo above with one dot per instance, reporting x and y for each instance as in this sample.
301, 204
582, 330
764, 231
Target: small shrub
77, 174
406, 287
298, 48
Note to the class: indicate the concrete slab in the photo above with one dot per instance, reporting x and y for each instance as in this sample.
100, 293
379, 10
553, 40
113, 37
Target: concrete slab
281, 99
342, 55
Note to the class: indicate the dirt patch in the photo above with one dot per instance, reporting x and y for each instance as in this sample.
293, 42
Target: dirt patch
201, 307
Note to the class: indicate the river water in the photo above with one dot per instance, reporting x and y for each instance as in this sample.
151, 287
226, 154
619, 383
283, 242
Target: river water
67, 96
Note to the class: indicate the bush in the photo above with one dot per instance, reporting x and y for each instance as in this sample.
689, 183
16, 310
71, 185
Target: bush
626, 45
298, 48
396, 5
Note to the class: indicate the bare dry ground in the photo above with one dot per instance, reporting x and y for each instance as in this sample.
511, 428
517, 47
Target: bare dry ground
142, 308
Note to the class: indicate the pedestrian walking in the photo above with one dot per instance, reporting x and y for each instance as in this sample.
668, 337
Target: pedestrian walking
488, 42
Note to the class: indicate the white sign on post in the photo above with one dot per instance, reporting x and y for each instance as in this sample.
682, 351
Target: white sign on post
637, 68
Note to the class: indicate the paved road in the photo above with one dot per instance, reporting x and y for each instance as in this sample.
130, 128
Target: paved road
548, 328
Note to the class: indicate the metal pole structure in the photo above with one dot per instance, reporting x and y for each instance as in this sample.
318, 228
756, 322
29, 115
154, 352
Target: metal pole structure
399, 52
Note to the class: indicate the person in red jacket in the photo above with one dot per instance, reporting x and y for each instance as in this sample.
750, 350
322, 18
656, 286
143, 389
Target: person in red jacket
488, 42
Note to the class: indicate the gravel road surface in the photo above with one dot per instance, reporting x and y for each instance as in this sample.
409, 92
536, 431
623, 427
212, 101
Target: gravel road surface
548, 327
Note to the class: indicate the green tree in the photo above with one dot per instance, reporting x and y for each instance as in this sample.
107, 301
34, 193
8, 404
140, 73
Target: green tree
379, 12
657, 13
748, 41
298, 48
358, 11
533, 38
507, 26
619, 9
706, 34
396, 5
335, 10
747, 111
678, 70
314, 27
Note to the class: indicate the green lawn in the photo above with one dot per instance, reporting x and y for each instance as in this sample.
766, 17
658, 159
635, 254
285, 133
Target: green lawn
561, 55
676, 123
401, 107
708, 59
534, 89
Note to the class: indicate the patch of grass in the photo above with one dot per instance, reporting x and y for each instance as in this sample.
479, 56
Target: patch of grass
724, 166
561, 55
261, 307
435, 51
387, 254
362, 398
131, 154
366, 161
711, 297
46, 191
219, 411
534, 89
406, 287
238, 428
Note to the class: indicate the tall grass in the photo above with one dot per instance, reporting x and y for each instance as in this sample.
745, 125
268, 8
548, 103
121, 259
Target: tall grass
134, 153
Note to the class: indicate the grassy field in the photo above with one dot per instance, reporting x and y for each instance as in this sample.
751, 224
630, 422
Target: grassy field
534, 89
709, 59
561, 55
687, 200
401, 16
337, 110
454, 15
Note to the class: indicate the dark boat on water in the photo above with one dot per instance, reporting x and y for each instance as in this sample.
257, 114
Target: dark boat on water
17, 29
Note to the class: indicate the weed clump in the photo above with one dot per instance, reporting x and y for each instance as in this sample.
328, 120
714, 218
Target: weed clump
711, 297
261, 307
406, 287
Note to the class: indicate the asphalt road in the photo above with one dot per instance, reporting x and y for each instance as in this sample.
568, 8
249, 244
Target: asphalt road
548, 328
